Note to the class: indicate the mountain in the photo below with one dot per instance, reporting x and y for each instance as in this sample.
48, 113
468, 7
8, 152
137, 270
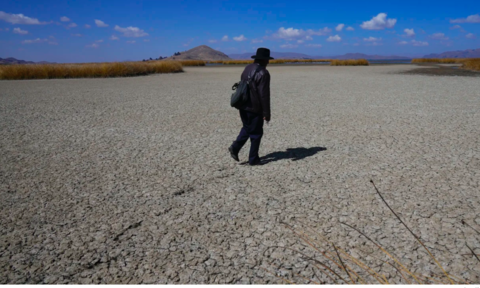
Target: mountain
276, 55
201, 52
368, 57
12, 61
470, 53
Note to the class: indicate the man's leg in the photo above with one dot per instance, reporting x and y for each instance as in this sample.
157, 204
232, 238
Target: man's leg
255, 133
243, 136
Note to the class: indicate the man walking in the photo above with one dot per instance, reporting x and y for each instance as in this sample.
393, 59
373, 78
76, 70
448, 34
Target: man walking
257, 109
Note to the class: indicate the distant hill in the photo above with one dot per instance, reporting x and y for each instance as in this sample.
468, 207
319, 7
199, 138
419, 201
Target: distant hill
471, 53
276, 55
12, 61
202, 52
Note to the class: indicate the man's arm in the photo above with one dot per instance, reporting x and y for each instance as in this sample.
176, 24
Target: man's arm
264, 91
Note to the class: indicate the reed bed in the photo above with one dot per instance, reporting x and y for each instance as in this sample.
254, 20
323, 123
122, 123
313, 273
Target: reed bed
90, 70
274, 61
468, 63
335, 265
193, 62
471, 64
439, 60
352, 62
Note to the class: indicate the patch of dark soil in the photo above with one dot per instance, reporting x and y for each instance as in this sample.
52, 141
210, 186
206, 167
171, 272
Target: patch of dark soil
437, 70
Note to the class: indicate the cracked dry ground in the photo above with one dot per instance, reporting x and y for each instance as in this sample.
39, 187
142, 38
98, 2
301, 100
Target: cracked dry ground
129, 180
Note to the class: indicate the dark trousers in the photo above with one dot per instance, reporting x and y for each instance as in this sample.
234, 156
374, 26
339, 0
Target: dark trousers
253, 129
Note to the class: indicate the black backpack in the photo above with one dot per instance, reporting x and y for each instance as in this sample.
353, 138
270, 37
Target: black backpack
241, 96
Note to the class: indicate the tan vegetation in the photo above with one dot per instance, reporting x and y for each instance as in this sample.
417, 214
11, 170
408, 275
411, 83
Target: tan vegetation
90, 70
274, 61
192, 62
357, 62
468, 63
439, 60
472, 64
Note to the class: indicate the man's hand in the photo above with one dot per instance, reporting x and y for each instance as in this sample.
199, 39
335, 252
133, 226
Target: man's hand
266, 119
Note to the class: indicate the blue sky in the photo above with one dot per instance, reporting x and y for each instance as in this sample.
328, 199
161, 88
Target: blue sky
96, 31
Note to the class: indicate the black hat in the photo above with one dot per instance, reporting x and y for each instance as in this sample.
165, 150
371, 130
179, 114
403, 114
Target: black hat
262, 54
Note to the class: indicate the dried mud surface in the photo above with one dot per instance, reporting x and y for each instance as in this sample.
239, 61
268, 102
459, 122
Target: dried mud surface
129, 180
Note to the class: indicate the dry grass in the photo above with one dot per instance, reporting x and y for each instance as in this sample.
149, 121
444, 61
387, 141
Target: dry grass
91, 70
438, 60
472, 64
335, 265
357, 62
274, 61
468, 63
192, 62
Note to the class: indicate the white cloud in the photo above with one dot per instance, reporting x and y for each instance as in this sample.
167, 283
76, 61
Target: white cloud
225, 38
470, 36
439, 36
71, 25
131, 42
113, 37
131, 31
77, 35
99, 41
64, 19
455, 27
419, 43
212, 41
288, 46
319, 32
403, 43
372, 39
100, 23
93, 45
300, 41
470, 19
88, 26
239, 38
335, 38
289, 33
19, 31
146, 40
52, 43
19, 19
33, 41
339, 27
350, 28
257, 40
314, 45
409, 32
379, 22
297, 34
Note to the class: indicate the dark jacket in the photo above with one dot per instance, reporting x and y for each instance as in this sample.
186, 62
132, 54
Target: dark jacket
259, 91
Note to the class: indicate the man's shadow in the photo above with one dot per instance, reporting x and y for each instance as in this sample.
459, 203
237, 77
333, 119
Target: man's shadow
293, 154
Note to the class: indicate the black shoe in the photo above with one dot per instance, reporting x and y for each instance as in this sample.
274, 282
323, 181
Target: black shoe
256, 163
234, 156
